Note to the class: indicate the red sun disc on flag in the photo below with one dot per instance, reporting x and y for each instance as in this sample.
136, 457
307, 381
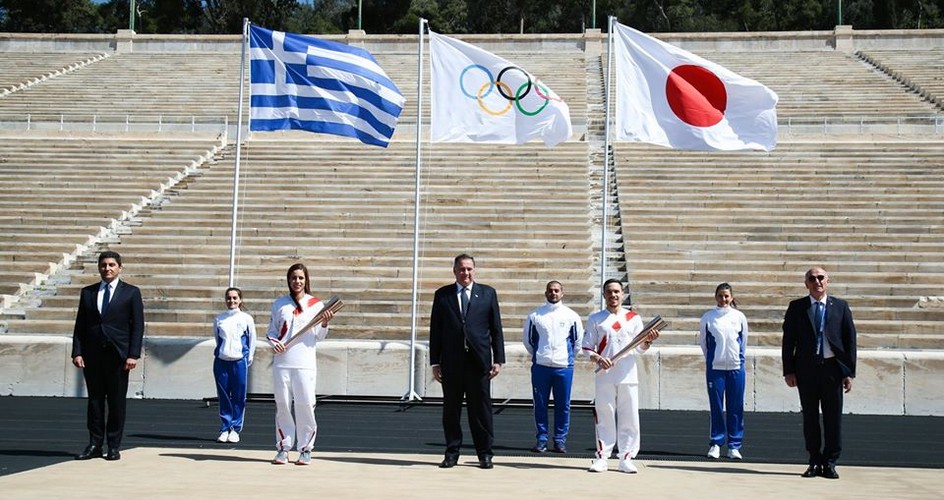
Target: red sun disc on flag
696, 95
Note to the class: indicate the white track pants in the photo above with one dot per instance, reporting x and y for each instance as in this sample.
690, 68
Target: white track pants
616, 409
296, 384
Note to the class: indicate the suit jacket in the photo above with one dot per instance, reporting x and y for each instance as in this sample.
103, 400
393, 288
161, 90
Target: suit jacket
122, 326
481, 328
799, 337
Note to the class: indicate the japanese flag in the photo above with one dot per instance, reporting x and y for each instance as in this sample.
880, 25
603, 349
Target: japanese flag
673, 98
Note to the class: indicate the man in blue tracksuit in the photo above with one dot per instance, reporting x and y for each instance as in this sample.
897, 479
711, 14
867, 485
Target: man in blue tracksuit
552, 335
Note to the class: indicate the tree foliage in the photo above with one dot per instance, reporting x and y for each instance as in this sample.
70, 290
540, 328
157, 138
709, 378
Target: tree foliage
464, 16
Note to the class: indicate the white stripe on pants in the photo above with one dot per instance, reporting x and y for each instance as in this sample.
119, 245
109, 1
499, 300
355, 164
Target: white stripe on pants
297, 384
617, 404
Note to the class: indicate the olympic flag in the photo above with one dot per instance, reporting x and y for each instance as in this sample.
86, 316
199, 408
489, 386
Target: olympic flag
304, 83
480, 97
673, 98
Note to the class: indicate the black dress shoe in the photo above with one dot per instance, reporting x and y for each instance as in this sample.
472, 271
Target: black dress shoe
113, 454
812, 471
91, 451
449, 462
829, 472
485, 463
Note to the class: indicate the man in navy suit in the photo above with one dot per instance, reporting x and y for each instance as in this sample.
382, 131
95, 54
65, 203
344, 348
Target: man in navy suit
819, 358
106, 345
466, 351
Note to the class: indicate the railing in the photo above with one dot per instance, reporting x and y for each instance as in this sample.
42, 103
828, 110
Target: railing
883, 125
790, 126
114, 122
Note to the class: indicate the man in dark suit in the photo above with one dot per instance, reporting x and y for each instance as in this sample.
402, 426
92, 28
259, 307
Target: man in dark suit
106, 344
819, 358
466, 351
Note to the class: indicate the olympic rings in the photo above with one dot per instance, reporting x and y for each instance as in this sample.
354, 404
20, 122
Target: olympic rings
491, 83
516, 96
481, 95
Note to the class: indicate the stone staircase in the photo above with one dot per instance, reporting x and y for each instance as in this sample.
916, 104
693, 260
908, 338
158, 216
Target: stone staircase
872, 213
346, 211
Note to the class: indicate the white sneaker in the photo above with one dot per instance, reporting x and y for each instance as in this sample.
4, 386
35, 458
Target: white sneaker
281, 458
224, 437
714, 451
304, 458
626, 465
598, 465
233, 437
734, 455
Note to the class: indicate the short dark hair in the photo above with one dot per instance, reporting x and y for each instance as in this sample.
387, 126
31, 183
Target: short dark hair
461, 257
109, 254
296, 266
612, 280
549, 283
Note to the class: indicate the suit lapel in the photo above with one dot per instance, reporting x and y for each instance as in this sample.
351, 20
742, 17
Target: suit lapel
453, 299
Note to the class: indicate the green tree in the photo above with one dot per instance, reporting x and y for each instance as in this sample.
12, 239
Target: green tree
226, 16
50, 16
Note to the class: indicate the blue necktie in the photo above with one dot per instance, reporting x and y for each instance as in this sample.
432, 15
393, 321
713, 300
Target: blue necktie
818, 318
106, 297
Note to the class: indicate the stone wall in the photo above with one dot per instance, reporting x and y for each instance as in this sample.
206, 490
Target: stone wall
841, 38
671, 378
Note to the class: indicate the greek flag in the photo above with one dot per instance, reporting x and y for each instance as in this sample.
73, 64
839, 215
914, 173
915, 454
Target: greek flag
300, 82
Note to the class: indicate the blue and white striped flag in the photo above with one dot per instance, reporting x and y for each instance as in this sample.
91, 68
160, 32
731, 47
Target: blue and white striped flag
301, 82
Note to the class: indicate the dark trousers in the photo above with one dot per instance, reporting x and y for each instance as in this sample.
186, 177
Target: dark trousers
822, 389
467, 381
107, 382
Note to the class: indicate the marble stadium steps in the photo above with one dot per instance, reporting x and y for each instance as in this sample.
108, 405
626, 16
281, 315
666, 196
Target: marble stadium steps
20, 68
562, 71
824, 84
813, 86
870, 212
919, 69
149, 84
357, 235
204, 84
56, 193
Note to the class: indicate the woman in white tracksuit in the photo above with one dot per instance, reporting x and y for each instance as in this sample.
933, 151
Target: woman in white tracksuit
294, 368
722, 335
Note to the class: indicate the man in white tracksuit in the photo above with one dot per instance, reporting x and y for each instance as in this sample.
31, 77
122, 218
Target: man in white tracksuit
553, 335
616, 406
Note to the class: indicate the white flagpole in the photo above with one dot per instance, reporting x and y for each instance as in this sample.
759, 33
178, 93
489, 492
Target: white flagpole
606, 155
239, 127
411, 394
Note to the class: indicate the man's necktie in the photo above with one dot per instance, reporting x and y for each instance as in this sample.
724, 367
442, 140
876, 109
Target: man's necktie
818, 319
106, 297
464, 300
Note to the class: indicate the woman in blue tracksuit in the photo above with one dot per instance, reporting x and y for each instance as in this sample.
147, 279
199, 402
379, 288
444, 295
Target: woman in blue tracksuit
722, 335
235, 335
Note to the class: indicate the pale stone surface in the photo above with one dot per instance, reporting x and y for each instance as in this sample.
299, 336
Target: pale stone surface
187, 473
377, 368
923, 372
682, 377
34, 365
671, 377
180, 367
770, 391
879, 385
